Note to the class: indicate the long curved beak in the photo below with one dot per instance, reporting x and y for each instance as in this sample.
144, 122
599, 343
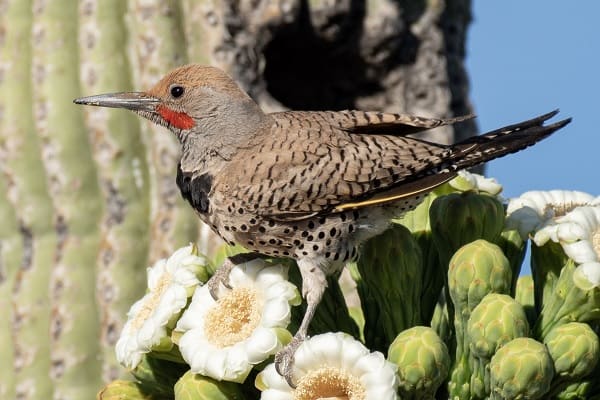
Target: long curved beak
134, 101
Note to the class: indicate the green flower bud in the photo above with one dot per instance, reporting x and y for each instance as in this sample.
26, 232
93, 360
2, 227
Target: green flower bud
587, 388
568, 303
575, 391
197, 387
524, 294
583, 389
122, 390
477, 269
495, 321
460, 218
575, 350
521, 369
418, 219
390, 286
423, 362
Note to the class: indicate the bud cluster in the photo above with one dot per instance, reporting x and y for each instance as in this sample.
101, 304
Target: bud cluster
439, 309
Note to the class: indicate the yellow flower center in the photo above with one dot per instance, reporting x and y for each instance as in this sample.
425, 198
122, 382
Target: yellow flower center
152, 301
596, 242
329, 383
233, 318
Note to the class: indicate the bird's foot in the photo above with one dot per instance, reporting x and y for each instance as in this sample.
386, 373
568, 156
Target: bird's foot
221, 275
284, 359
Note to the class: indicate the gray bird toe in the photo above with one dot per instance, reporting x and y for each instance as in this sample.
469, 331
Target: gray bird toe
284, 360
221, 277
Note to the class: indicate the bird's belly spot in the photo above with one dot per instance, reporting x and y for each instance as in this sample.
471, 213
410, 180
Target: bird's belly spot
334, 238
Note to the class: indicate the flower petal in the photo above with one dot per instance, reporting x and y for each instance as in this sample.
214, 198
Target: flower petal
470, 181
533, 210
276, 313
270, 276
581, 252
326, 354
588, 274
169, 283
370, 362
277, 387
321, 349
263, 341
155, 273
193, 316
248, 345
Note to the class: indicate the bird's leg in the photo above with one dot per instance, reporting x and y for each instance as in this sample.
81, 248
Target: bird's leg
314, 283
221, 275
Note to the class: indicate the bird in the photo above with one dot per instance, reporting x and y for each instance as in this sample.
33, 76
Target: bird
307, 185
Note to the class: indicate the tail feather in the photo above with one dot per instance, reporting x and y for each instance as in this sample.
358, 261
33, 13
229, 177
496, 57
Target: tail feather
509, 139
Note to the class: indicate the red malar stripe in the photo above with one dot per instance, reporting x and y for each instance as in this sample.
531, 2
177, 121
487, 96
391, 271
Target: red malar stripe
177, 119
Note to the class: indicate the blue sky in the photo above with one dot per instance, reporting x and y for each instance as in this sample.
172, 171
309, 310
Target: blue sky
529, 57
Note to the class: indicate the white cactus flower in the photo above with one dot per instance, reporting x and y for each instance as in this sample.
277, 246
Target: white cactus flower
224, 339
332, 366
470, 181
578, 232
535, 209
170, 283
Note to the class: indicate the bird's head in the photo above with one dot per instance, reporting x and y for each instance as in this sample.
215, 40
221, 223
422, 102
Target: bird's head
190, 100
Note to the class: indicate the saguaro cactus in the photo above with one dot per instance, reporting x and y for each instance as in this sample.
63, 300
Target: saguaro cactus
10, 257
88, 197
73, 186
23, 172
120, 155
157, 26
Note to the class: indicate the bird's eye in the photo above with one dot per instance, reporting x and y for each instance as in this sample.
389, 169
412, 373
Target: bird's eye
177, 91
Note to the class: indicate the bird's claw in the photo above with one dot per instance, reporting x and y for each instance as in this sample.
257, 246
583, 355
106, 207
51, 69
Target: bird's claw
284, 360
220, 277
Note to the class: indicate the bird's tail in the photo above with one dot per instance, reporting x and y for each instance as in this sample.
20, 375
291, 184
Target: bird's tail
510, 139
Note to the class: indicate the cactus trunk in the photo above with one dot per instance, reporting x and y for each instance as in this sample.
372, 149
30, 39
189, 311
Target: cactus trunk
28, 193
73, 186
123, 172
157, 30
11, 252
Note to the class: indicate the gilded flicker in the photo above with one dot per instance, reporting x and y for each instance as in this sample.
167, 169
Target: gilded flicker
311, 186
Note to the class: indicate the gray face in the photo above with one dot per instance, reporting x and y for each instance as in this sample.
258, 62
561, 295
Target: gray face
205, 109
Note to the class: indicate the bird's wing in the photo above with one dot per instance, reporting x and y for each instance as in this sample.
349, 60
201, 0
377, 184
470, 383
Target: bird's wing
377, 123
310, 163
